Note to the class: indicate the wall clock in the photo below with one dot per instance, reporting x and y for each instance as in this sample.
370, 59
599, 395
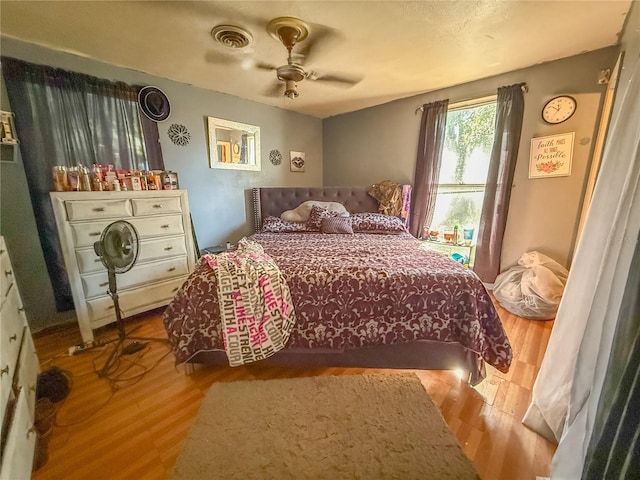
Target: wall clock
559, 109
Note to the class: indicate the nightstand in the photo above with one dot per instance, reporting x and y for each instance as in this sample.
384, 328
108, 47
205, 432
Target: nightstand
449, 249
213, 250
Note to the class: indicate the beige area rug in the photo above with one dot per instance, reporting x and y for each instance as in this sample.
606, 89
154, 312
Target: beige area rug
344, 427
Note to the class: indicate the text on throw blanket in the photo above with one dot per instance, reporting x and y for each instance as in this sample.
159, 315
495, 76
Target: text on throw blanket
242, 333
255, 306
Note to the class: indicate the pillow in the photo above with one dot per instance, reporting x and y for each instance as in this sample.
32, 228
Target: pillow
377, 223
277, 225
317, 214
336, 225
302, 211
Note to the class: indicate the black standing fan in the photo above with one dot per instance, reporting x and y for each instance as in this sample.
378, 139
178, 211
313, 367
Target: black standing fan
118, 250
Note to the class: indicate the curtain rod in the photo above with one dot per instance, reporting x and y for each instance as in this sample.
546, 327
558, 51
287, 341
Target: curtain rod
524, 88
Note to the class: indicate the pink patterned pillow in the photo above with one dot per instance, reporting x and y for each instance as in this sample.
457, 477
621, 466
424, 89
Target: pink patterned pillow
336, 225
277, 225
316, 216
377, 223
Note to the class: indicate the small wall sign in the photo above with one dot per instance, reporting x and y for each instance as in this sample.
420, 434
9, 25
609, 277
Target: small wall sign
297, 161
551, 156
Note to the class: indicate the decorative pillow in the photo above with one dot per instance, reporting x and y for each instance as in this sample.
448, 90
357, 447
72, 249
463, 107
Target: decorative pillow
277, 225
336, 225
377, 223
317, 214
302, 211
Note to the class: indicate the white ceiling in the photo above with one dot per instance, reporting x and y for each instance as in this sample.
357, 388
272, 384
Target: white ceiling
399, 49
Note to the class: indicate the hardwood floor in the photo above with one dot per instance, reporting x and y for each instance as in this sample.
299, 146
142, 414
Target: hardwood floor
135, 428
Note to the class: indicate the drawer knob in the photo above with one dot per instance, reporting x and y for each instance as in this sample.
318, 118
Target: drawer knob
168, 248
165, 226
157, 205
98, 260
31, 431
7, 273
103, 284
13, 338
98, 209
5, 370
95, 234
175, 289
21, 309
2, 251
171, 269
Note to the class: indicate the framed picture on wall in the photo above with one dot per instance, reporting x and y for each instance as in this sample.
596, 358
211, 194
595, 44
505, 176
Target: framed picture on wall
297, 161
551, 156
7, 129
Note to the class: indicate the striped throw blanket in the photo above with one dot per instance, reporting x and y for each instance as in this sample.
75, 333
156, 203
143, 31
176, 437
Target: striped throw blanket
255, 304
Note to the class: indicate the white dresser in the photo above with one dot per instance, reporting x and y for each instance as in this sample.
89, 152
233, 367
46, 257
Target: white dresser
166, 252
19, 367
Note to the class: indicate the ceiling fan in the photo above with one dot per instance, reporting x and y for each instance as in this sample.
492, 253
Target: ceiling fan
290, 31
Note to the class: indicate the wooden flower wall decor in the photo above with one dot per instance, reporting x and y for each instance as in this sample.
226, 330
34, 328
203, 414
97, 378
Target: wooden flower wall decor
179, 134
275, 157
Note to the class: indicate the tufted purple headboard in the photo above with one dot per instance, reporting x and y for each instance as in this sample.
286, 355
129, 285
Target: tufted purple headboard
275, 200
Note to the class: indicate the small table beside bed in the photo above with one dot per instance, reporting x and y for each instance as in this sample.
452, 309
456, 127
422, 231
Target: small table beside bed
368, 299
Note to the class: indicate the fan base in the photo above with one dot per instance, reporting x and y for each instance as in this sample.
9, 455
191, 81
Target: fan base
288, 30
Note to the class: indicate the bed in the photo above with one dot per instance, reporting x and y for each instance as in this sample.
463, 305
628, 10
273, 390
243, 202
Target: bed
370, 300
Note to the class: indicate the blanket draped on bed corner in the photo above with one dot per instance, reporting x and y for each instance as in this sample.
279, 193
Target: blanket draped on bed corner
255, 304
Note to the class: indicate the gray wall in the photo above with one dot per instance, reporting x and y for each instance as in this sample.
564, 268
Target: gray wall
218, 198
379, 143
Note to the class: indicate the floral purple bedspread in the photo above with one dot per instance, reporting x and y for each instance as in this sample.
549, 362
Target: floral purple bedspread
354, 291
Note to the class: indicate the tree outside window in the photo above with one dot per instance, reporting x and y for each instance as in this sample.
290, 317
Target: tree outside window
464, 167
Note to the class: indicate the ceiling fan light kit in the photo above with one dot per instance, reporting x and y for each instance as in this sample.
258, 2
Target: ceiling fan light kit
291, 89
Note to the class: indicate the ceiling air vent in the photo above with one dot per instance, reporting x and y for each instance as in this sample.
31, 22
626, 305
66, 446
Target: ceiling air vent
231, 36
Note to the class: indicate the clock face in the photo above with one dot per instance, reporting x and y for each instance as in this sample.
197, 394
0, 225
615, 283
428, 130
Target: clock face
559, 109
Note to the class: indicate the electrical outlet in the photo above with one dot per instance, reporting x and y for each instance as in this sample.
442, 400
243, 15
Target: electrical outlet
75, 349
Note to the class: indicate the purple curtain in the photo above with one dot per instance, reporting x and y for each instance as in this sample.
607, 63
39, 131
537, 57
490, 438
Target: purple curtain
68, 118
509, 112
425, 181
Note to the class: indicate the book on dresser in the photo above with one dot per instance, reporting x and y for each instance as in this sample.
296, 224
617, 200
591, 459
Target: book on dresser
166, 252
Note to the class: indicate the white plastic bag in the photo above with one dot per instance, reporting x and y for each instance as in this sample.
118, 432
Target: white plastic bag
533, 288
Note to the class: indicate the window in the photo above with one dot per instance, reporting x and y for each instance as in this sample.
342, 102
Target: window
464, 166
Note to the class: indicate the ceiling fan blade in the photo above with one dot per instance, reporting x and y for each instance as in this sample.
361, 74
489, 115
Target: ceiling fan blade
274, 90
340, 80
320, 35
217, 57
264, 66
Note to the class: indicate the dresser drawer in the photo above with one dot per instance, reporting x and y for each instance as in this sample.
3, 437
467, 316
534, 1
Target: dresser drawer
5, 390
17, 458
12, 326
97, 209
89, 262
96, 285
158, 226
86, 234
6, 271
135, 301
156, 206
28, 369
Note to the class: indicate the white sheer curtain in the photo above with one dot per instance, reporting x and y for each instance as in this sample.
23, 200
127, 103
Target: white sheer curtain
566, 392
